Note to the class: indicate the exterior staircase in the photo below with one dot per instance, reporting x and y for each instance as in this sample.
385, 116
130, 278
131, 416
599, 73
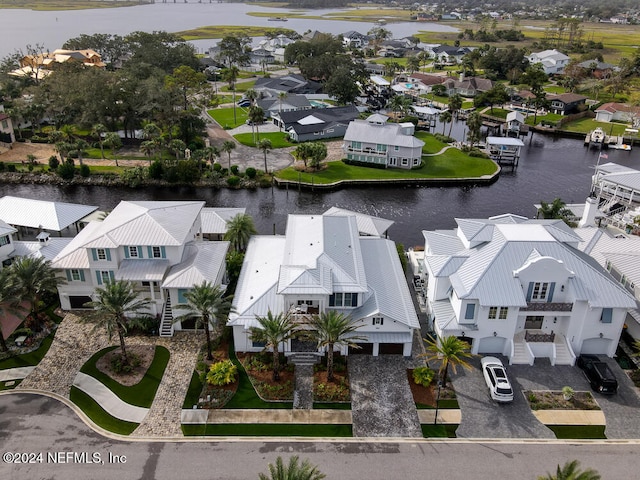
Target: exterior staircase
521, 354
564, 355
166, 324
303, 358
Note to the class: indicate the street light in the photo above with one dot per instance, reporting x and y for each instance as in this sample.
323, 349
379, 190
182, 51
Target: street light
435, 418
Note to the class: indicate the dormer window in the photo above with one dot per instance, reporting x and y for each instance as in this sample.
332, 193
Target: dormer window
540, 291
343, 300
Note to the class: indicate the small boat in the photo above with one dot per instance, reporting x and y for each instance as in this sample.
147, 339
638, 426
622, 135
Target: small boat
278, 19
596, 137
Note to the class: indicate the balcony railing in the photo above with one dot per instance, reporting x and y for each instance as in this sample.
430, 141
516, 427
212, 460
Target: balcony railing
539, 337
547, 307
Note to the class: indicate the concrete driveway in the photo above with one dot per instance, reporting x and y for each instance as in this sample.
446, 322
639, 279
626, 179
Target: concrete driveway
484, 418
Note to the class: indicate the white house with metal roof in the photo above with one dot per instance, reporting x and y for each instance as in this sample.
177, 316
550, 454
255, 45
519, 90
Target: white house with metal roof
214, 221
522, 288
377, 142
323, 263
367, 224
553, 62
155, 245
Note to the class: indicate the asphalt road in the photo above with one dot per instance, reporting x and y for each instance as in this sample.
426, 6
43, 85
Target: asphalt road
31, 423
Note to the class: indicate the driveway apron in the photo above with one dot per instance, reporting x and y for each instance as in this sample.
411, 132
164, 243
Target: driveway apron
381, 401
484, 418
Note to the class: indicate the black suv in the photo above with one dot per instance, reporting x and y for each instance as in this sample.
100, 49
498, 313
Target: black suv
598, 374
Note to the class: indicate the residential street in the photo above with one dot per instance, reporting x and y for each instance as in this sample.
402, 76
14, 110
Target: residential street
31, 423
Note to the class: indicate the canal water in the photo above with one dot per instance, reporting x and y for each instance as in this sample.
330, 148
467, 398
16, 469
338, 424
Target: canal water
549, 168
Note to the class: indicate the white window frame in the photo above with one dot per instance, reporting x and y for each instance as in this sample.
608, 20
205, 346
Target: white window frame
493, 313
378, 321
133, 252
5, 240
504, 312
101, 254
105, 276
75, 275
540, 291
156, 252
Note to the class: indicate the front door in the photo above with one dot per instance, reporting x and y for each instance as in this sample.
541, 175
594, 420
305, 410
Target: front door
533, 322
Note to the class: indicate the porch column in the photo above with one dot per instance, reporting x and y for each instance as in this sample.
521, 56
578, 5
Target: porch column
376, 349
152, 288
406, 350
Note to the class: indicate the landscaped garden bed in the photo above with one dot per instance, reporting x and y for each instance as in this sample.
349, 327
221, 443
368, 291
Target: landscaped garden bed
425, 397
336, 391
557, 400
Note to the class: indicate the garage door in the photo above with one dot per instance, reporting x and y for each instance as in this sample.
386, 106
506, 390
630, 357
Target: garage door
78, 301
492, 345
596, 346
365, 349
391, 348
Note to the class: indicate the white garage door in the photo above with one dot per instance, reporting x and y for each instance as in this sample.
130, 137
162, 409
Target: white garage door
492, 345
596, 346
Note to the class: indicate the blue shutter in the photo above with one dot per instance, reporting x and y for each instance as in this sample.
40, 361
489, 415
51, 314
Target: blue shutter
163, 252
99, 277
550, 294
126, 252
140, 252
332, 300
107, 252
529, 291
471, 311
94, 254
112, 276
150, 251
82, 275
354, 299
607, 314
68, 272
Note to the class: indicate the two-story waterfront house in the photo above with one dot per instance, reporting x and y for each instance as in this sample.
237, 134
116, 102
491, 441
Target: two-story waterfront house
323, 263
155, 245
377, 142
523, 289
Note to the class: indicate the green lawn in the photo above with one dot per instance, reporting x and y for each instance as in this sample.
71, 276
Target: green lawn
578, 431
98, 415
193, 392
451, 164
556, 89
144, 391
240, 87
438, 431
431, 143
28, 359
270, 430
548, 118
278, 139
224, 117
585, 125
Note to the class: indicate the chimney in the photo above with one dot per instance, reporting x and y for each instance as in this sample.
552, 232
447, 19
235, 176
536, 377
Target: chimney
462, 77
589, 214
43, 238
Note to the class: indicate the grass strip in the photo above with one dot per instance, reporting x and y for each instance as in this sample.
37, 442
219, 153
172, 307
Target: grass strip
278, 139
246, 396
98, 415
332, 405
269, 430
29, 359
193, 392
3, 385
439, 431
578, 431
140, 394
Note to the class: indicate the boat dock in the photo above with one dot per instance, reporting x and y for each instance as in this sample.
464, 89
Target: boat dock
609, 141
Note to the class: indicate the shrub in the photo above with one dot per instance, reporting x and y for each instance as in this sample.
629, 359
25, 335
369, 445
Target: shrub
53, 162
118, 365
235, 169
11, 167
2, 166
233, 181
155, 170
217, 167
85, 171
250, 172
66, 170
423, 376
222, 373
568, 392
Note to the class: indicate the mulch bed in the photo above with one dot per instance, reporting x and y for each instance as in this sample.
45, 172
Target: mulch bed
427, 395
145, 354
550, 400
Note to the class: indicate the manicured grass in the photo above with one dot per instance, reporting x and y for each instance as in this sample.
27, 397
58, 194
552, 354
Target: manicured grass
331, 406
557, 89
438, 431
585, 125
548, 118
98, 415
578, 431
143, 392
431, 143
278, 139
193, 392
246, 396
269, 430
4, 387
240, 87
224, 116
28, 359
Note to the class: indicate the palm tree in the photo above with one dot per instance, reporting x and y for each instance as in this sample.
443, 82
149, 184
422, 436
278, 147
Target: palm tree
265, 146
445, 117
556, 210
112, 140
450, 351
455, 104
116, 302
80, 146
570, 471
399, 104
273, 330
256, 117
228, 146
148, 147
239, 231
333, 328
9, 300
34, 278
293, 471
251, 95
99, 130
208, 305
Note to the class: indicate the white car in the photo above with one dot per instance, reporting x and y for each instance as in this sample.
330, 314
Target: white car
496, 378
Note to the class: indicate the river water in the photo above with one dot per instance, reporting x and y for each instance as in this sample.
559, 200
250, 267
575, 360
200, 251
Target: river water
19, 27
549, 167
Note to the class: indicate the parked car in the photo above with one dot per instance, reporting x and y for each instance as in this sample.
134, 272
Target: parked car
598, 374
496, 378
245, 102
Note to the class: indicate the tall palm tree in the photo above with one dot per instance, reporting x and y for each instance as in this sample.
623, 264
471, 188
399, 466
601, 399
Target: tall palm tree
256, 117
99, 130
273, 330
112, 140
251, 95
80, 145
239, 231
445, 117
293, 471
333, 328
455, 104
228, 146
450, 351
34, 278
9, 299
208, 305
265, 146
570, 471
117, 301
557, 209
